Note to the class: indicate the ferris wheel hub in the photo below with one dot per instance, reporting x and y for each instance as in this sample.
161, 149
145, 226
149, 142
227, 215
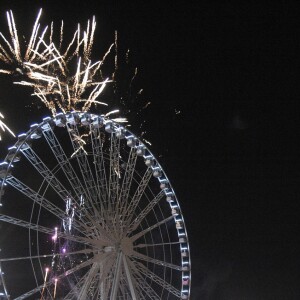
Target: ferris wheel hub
109, 249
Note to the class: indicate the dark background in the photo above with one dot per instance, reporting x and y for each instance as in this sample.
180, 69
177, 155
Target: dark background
232, 153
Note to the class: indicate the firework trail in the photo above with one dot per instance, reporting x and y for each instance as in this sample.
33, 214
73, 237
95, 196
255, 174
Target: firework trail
4, 127
46, 65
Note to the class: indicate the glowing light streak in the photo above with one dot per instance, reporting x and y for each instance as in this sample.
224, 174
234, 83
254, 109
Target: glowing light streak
55, 285
54, 237
147, 142
45, 280
112, 112
33, 35
5, 71
80, 148
4, 127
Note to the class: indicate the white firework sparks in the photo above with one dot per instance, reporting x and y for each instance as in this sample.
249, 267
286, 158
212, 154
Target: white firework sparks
46, 66
4, 127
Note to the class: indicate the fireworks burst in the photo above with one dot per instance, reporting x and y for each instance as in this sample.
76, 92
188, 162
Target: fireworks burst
46, 66
62, 75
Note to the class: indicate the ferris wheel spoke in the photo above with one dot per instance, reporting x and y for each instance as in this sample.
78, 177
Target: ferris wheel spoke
130, 279
85, 251
101, 225
50, 178
89, 281
99, 162
73, 293
35, 196
146, 258
51, 281
96, 243
3, 282
141, 283
95, 223
46, 230
94, 279
95, 289
107, 275
40, 166
64, 163
39, 199
114, 172
147, 289
34, 291
101, 231
141, 233
80, 266
155, 245
106, 289
100, 284
136, 222
144, 271
129, 213
124, 290
25, 224
106, 268
82, 160
114, 183
127, 179
116, 278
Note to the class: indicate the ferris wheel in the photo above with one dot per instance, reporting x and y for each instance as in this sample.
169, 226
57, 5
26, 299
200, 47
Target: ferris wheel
87, 212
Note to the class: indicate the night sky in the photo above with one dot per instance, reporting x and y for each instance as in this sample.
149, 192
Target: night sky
223, 81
